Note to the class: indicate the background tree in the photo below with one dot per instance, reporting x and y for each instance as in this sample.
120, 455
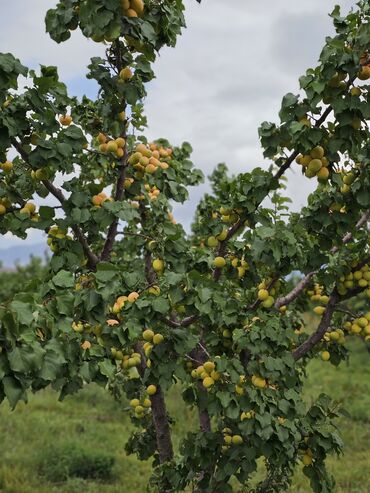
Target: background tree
132, 302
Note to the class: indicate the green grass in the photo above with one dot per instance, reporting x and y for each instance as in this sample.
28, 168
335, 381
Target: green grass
94, 421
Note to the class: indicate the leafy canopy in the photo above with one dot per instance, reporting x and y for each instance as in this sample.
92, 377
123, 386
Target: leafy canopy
132, 302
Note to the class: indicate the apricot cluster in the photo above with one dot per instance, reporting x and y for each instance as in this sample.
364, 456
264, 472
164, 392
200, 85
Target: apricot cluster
121, 300
39, 174
99, 199
240, 265
359, 326
307, 456
336, 336
151, 339
5, 204
359, 278
140, 407
228, 215
230, 439
78, 326
55, 233
126, 359
83, 281
347, 178
115, 146
207, 373
364, 72
132, 8
315, 164
153, 191
316, 294
147, 159
239, 387
6, 166
267, 294
247, 415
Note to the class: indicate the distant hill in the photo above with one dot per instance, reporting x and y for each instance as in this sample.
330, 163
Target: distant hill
21, 254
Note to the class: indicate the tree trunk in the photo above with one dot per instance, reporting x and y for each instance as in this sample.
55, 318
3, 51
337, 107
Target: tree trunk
162, 427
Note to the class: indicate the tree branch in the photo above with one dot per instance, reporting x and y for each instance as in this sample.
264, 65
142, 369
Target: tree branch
162, 426
240, 223
342, 309
119, 193
118, 196
296, 291
349, 236
58, 194
159, 413
294, 154
324, 324
200, 355
316, 337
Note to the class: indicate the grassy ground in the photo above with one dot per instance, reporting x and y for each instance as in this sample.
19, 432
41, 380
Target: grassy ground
94, 421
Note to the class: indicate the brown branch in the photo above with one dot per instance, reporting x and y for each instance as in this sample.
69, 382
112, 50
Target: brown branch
150, 272
201, 355
118, 196
322, 328
160, 419
240, 223
119, 193
58, 194
162, 426
159, 414
189, 320
294, 154
342, 309
324, 324
296, 291
349, 236
172, 323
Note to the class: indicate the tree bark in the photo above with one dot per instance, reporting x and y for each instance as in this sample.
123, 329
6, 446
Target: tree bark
162, 427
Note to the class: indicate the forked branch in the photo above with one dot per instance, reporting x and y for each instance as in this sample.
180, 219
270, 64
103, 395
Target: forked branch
324, 324
301, 286
58, 194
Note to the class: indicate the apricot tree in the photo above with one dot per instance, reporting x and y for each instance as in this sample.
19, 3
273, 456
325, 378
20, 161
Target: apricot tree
135, 304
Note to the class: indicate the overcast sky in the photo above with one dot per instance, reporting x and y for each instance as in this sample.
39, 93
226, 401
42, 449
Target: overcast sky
227, 74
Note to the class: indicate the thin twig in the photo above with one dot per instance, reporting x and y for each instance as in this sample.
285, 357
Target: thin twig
345, 310
204, 349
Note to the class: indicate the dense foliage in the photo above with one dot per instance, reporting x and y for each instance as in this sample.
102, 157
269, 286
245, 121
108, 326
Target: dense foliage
21, 279
132, 302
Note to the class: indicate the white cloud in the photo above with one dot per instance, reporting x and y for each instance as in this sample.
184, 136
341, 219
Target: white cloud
227, 74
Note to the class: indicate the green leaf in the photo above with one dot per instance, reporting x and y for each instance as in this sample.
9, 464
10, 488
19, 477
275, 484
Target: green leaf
22, 311
160, 305
108, 369
13, 391
106, 272
64, 279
